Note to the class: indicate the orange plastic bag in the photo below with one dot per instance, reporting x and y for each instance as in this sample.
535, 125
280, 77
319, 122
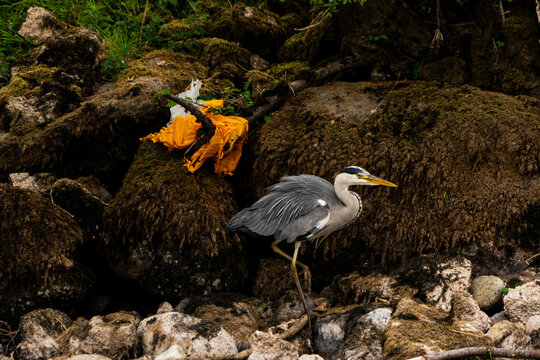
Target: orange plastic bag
225, 147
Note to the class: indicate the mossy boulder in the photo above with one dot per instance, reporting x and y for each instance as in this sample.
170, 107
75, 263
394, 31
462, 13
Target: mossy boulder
256, 29
98, 138
417, 329
225, 59
176, 69
76, 50
38, 248
165, 229
464, 160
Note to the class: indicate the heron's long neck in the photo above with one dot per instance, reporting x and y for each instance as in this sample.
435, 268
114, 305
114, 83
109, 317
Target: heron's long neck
351, 200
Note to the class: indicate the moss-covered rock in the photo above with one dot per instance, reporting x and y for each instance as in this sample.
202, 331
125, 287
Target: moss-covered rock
464, 160
225, 59
450, 70
98, 138
256, 29
166, 227
176, 69
417, 329
38, 244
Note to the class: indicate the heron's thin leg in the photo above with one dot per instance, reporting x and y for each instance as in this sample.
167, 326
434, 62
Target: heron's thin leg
295, 275
305, 268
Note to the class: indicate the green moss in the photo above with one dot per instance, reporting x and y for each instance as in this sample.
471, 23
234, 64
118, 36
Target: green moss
450, 70
294, 48
27, 81
176, 69
290, 70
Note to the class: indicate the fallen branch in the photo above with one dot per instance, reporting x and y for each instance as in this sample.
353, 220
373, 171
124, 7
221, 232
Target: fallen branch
210, 129
472, 351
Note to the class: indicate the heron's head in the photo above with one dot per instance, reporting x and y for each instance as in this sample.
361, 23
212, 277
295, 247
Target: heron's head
355, 175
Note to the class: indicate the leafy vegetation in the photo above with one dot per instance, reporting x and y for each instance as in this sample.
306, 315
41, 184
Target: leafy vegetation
333, 5
126, 26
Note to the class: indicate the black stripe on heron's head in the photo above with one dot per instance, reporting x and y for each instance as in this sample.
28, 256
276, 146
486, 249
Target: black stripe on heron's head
355, 170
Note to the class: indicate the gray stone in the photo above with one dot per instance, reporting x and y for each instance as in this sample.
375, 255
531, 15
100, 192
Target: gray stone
379, 318
113, 335
196, 337
83, 357
23, 181
487, 291
265, 346
39, 330
310, 357
533, 324
509, 335
39, 26
453, 276
175, 352
523, 302
467, 313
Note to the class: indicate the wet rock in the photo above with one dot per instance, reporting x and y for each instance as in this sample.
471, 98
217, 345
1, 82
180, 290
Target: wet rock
39, 26
265, 346
509, 335
523, 302
487, 290
417, 329
436, 121
39, 330
197, 338
40, 240
113, 335
178, 246
467, 313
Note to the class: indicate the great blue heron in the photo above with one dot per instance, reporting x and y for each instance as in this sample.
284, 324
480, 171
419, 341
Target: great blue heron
305, 207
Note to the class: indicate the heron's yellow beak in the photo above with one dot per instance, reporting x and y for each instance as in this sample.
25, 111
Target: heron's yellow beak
378, 181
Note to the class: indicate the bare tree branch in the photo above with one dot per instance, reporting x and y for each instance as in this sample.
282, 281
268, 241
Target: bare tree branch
471, 351
210, 129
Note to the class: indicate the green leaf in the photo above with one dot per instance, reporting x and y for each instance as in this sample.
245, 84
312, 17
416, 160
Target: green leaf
164, 91
267, 118
504, 290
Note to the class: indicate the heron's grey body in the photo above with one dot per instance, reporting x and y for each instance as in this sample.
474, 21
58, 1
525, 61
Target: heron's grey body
299, 208
305, 207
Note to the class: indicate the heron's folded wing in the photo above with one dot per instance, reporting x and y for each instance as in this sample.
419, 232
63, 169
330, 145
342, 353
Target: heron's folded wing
283, 214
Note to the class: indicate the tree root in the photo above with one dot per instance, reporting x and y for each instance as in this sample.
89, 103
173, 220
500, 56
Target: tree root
471, 351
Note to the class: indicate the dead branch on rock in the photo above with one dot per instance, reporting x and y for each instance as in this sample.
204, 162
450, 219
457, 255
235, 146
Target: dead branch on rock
472, 351
210, 129
314, 25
